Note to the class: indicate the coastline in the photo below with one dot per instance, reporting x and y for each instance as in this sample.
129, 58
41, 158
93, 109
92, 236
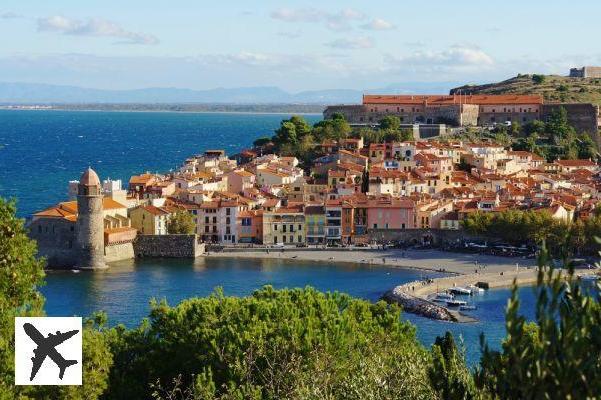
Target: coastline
425, 260
459, 269
95, 110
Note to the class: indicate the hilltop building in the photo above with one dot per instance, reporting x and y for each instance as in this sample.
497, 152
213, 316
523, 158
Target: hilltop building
585, 72
465, 110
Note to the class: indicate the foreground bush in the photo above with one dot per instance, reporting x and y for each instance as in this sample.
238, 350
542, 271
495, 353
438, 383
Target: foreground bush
296, 343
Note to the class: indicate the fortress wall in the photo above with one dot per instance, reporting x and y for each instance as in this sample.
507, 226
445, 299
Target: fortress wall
173, 246
584, 117
56, 242
354, 114
118, 252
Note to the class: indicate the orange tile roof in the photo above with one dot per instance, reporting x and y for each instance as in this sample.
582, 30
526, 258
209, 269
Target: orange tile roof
452, 99
576, 163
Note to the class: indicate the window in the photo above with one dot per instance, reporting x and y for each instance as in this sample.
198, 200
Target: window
275, 227
300, 238
214, 220
375, 226
227, 220
291, 228
214, 229
207, 229
228, 211
284, 238
206, 220
227, 230
283, 228
300, 227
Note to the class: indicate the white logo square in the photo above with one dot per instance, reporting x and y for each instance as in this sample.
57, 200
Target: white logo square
48, 350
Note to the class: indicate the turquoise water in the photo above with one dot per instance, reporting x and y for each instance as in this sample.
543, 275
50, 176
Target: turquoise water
124, 290
40, 151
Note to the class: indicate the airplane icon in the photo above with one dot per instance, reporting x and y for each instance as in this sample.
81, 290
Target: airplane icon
46, 348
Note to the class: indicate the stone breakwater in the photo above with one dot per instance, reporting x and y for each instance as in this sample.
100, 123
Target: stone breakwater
419, 306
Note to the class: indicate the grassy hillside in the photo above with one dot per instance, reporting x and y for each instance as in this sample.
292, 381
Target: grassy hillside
554, 88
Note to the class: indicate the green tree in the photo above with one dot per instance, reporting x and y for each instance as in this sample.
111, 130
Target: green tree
538, 79
262, 141
535, 126
21, 273
296, 343
558, 125
302, 127
557, 357
586, 147
448, 373
391, 123
286, 134
181, 223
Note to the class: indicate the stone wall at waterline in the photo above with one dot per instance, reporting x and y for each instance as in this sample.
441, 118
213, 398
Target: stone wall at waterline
172, 246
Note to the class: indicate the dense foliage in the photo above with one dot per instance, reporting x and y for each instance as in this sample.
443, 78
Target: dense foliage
181, 223
518, 227
556, 139
295, 137
555, 357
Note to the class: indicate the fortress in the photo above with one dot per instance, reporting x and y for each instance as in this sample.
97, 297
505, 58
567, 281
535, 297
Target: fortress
95, 229
465, 110
84, 234
585, 72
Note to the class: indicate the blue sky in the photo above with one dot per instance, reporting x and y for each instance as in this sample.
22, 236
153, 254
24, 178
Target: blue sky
295, 45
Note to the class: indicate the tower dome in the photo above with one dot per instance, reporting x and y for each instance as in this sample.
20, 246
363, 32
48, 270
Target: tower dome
89, 178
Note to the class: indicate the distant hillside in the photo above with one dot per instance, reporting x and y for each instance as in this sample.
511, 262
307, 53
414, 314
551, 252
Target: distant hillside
553, 88
37, 93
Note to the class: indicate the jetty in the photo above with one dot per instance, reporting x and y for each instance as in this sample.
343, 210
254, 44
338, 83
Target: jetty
413, 296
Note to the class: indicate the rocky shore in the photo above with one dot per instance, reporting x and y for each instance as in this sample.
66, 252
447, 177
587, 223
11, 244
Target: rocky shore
419, 306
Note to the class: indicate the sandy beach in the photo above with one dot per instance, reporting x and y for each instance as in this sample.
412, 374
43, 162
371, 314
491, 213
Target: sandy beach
427, 260
464, 269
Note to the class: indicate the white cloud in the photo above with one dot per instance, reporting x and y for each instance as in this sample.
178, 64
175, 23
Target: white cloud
378, 24
93, 27
352, 43
10, 15
456, 57
336, 21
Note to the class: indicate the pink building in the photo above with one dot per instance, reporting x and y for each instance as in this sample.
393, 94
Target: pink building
439, 165
390, 213
239, 180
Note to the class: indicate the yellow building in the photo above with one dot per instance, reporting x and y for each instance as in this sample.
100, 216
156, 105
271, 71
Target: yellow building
284, 226
150, 220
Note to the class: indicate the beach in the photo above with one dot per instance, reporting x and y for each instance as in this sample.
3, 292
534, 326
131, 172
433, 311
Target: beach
462, 269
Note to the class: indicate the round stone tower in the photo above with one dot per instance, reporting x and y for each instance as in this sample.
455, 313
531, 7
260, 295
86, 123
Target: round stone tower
90, 222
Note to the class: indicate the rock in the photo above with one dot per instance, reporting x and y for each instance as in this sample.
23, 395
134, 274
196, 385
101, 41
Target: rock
416, 305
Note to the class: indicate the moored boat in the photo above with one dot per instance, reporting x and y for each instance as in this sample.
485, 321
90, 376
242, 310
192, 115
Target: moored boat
456, 303
460, 290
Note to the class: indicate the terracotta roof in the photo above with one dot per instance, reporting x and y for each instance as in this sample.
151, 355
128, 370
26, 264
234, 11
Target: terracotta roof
89, 178
452, 99
576, 163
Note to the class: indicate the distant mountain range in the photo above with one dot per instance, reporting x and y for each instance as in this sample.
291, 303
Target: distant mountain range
35, 93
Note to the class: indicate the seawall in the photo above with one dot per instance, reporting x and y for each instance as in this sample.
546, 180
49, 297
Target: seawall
172, 246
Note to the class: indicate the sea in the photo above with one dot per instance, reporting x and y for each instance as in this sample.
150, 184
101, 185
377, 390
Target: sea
41, 151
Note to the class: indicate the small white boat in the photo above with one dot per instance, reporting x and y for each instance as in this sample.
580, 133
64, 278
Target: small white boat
467, 307
475, 289
443, 296
460, 290
589, 277
456, 303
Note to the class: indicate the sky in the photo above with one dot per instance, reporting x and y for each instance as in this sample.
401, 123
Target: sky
294, 45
